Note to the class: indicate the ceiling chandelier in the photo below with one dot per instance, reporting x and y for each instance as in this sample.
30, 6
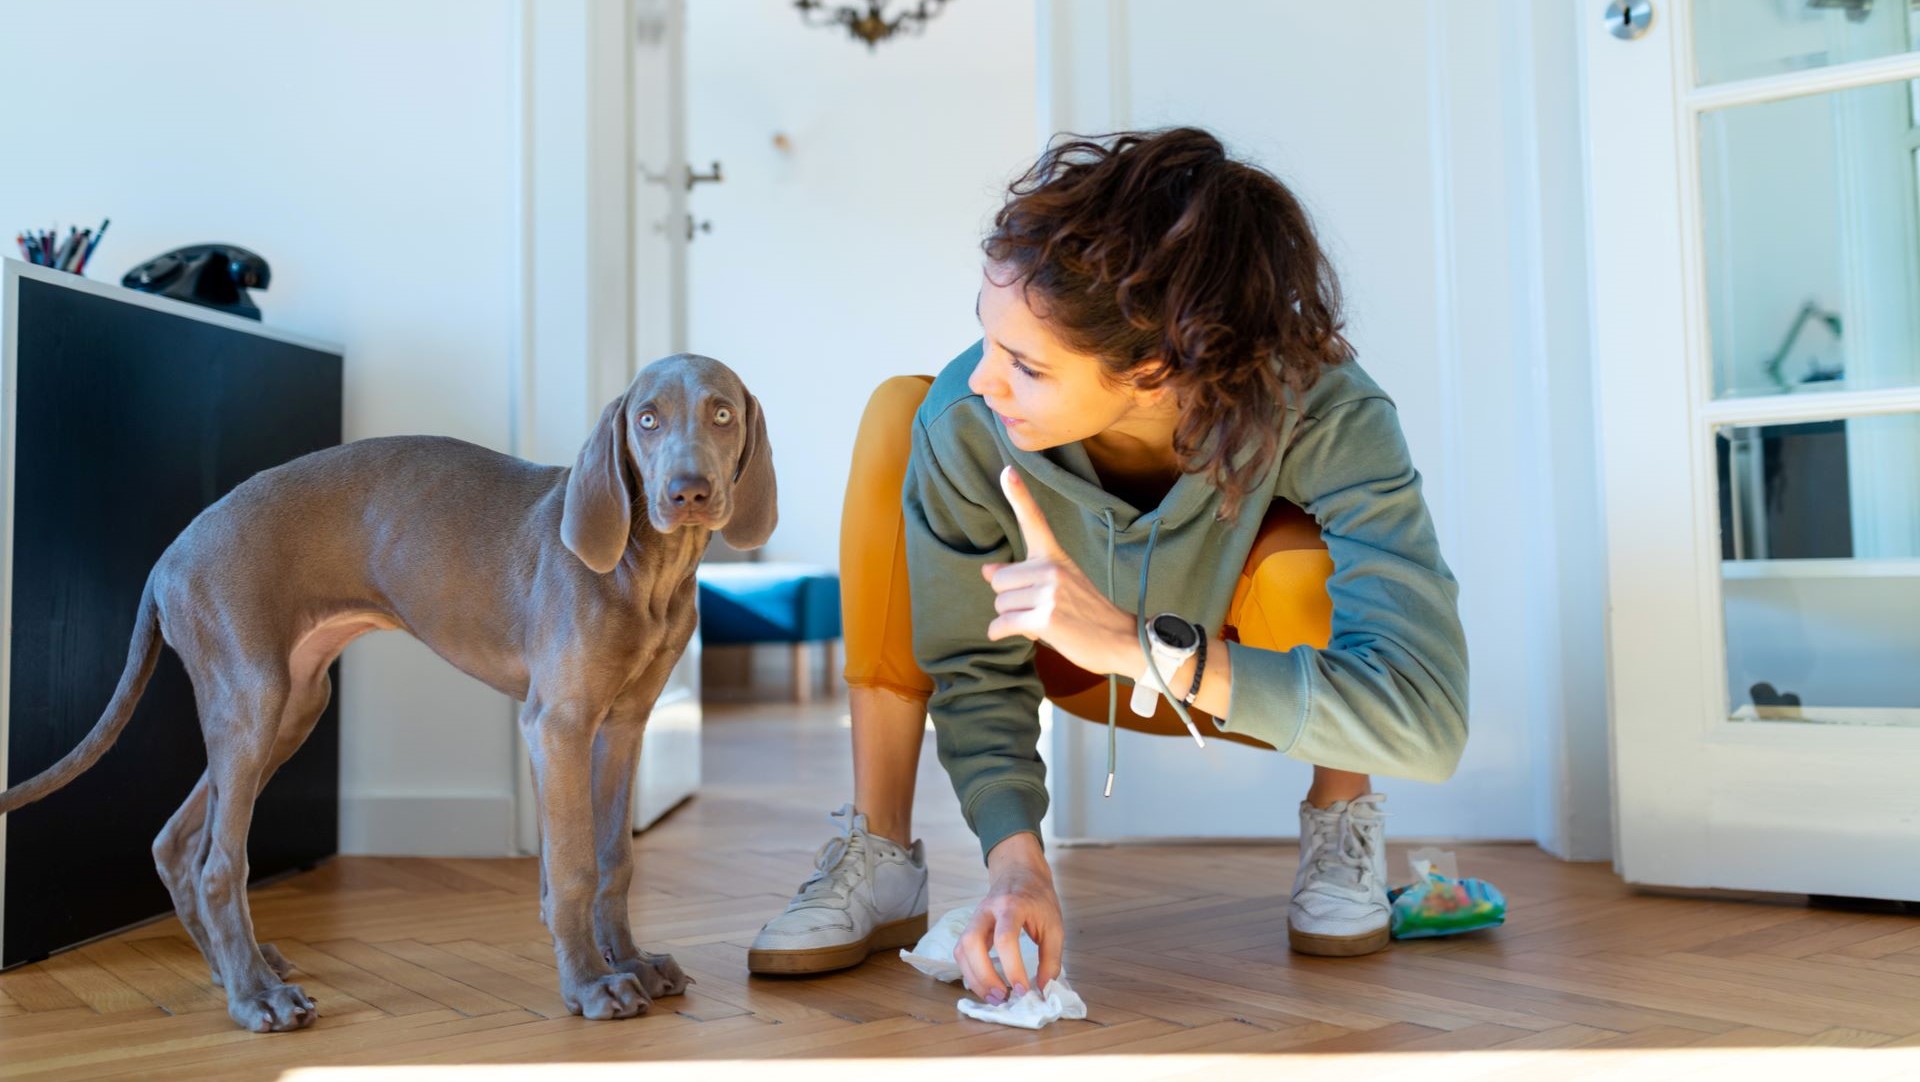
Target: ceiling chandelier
870, 22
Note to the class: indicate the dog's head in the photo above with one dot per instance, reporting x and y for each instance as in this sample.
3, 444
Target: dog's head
686, 444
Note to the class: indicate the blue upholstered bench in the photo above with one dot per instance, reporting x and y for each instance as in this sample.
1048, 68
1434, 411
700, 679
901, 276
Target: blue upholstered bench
768, 602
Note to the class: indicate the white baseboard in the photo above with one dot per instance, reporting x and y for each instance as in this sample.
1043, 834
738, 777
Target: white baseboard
427, 825
1279, 840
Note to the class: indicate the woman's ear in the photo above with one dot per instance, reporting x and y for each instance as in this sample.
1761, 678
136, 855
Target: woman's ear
755, 503
1152, 397
598, 513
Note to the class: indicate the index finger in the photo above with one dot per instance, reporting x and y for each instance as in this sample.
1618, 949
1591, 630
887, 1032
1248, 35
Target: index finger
1033, 524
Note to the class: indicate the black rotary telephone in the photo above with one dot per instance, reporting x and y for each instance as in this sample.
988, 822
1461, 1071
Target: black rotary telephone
215, 275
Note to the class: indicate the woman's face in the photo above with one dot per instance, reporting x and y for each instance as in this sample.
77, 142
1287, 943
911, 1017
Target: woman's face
1046, 394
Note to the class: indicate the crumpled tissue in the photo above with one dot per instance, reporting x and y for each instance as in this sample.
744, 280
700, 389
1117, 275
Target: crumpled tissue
933, 955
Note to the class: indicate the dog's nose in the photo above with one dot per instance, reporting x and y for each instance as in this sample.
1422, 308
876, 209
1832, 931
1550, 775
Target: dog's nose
689, 492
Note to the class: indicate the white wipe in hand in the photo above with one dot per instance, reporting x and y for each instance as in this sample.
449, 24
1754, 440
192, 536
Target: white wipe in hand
933, 955
1032, 1010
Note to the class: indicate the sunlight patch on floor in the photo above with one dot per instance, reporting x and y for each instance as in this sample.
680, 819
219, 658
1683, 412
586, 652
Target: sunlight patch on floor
1745, 1064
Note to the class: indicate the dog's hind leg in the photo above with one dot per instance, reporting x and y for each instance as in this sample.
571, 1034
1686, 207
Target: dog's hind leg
241, 718
178, 852
180, 849
304, 707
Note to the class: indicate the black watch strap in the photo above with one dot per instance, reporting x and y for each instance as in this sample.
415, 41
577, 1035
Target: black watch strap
1199, 666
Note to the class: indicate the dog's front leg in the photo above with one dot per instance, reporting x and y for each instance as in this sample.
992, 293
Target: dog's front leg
560, 740
616, 756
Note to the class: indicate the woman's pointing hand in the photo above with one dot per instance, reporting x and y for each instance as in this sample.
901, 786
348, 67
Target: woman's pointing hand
1047, 597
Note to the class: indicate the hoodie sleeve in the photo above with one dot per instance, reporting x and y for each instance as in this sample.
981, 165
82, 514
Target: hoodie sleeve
1388, 693
986, 697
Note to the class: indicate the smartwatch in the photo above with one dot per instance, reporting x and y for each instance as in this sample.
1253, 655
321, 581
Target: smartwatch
1171, 640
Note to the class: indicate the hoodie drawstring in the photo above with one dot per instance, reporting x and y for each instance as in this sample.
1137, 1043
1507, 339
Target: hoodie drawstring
1146, 649
1113, 679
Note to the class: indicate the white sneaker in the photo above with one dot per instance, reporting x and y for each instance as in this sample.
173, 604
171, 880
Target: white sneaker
1339, 906
866, 894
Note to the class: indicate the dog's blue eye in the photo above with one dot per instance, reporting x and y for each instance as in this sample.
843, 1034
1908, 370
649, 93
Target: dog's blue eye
722, 415
649, 421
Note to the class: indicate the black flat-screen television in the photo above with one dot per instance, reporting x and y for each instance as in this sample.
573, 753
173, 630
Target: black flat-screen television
122, 416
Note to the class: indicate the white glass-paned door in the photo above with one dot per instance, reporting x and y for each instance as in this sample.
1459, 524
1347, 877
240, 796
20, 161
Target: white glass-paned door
1756, 244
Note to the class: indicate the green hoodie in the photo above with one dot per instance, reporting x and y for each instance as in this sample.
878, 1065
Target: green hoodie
1387, 695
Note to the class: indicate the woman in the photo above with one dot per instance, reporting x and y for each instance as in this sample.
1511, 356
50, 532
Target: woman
1162, 332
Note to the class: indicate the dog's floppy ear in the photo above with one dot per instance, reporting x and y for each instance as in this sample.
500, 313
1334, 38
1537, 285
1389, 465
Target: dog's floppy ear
755, 507
598, 513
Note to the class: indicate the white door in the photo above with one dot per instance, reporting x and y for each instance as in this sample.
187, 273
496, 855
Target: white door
1756, 322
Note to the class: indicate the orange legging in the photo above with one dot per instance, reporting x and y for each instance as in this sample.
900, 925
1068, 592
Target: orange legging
1280, 602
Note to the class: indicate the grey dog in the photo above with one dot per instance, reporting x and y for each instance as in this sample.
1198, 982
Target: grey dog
540, 581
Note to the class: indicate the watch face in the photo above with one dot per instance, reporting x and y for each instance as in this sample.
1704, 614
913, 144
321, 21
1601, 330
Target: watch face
1174, 631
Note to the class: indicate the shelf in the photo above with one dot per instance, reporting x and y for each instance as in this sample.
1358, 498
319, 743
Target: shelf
1820, 569
1882, 717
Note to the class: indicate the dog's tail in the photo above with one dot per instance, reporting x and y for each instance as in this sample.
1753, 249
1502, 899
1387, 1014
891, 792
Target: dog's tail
141, 656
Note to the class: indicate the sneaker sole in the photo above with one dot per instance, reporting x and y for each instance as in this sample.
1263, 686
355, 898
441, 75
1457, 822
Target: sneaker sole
899, 933
1337, 946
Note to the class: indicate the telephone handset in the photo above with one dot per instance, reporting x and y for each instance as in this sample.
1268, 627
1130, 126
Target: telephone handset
215, 275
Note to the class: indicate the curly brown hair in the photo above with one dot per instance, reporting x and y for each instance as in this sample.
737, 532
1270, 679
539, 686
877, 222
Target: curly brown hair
1155, 246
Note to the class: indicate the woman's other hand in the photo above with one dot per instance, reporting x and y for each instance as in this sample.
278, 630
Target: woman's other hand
1020, 895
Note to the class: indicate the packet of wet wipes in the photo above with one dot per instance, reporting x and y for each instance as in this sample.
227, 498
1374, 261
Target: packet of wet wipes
1437, 902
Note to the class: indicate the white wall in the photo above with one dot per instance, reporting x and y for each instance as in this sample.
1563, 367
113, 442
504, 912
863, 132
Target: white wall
375, 154
855, 255
1436, 147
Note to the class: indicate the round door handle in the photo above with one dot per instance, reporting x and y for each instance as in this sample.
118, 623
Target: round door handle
1629, 19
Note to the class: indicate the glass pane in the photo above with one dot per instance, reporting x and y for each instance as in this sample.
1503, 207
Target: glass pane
1810, 242
1820, 570
1744, 39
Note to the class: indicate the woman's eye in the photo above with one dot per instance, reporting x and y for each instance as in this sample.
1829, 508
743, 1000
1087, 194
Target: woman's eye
1024, 370
649, 421
722, 415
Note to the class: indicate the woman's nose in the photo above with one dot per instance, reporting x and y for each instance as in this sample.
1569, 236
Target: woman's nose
984, 383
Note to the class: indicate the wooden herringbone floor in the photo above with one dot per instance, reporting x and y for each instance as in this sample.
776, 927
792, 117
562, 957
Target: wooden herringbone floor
1180, 953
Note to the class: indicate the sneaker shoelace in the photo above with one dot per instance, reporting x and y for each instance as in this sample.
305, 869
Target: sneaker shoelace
820, 888
1346, 857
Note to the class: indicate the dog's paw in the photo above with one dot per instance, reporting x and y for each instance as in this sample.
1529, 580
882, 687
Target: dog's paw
616, 995
274, 959
277, 1009
659, 974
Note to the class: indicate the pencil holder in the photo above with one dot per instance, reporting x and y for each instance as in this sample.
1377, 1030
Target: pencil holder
49, 249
